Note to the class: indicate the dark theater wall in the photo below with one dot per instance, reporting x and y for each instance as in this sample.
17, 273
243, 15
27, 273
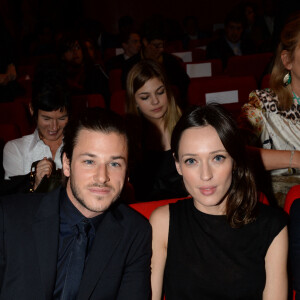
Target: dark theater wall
108, 12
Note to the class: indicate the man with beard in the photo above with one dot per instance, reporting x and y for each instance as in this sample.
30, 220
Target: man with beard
78, 242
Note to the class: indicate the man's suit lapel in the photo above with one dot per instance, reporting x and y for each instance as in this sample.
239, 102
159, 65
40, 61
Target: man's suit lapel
107, 238
46, 232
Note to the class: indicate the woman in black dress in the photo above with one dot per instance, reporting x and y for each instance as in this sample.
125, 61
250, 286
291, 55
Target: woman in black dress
222, 243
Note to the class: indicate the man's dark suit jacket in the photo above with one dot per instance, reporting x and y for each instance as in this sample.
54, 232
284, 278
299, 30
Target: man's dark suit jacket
118, 266
221, 49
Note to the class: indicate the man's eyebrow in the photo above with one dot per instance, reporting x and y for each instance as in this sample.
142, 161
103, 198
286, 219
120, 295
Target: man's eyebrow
118, 157
93, 155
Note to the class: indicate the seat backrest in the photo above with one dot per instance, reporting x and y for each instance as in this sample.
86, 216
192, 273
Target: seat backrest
263, 198
9, 132
265, 83
115, 81
246, 65
293, 194
146, 208
222, 89
118, 102
173, 46
198, 54
80, 102
15, 113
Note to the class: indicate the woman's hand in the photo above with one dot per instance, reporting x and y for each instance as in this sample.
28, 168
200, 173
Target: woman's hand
43, 168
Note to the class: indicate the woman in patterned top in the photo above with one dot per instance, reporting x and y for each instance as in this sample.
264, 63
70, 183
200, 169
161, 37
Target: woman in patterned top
272, 116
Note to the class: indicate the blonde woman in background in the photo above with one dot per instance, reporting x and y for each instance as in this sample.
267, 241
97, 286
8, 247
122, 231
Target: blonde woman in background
152, 106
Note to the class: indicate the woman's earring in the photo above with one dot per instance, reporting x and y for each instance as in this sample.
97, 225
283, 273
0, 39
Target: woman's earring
287, 79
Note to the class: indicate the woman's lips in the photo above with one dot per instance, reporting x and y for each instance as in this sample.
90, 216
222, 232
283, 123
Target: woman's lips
157, 109
207, 191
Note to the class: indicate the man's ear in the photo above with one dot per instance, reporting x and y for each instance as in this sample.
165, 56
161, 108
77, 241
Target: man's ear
66, 165
178, 168
285, 58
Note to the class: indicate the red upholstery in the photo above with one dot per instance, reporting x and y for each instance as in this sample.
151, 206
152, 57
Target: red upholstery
198, 54
109, 53
198, 43
15, 113
26, 71
173, 46
263, 198
83, 101
9, 132
200, 86
115, 83
146, 208
118, 101
293, 193
265, 83
246, 65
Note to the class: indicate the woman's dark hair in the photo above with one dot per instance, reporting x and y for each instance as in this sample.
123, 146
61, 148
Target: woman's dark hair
242, 195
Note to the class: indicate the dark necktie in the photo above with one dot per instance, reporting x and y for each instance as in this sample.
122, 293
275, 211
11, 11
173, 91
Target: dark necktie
76, 262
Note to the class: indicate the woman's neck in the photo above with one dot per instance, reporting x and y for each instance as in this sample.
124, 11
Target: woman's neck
296, 87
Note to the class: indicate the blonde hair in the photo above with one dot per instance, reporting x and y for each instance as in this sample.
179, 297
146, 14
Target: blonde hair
137, 77
289, 41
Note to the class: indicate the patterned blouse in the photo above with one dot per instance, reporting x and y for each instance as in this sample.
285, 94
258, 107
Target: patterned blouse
274, 128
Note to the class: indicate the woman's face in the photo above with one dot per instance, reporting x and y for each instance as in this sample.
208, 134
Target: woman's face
206, 168
50, 124
152, 99
74, 54
294, 65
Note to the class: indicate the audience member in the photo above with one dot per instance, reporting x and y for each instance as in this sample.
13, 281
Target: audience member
191, 31
256, 29
82, 74
153, 48
39, 153
78, 242
43, 41
150, 100
222, 243
131, 44
232, 42
271, 117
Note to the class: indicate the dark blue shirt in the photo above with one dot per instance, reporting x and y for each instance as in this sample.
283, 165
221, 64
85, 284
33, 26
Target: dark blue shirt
69, 217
